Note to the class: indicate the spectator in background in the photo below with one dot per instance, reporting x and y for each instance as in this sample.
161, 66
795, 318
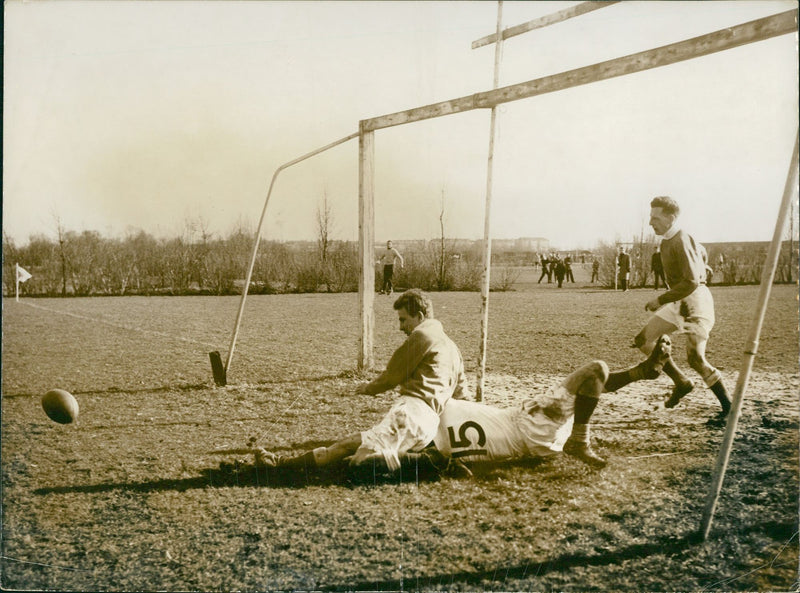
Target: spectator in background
568, 270
559, 269
388, 258
545, 269
595, 270
658, 269
624, 265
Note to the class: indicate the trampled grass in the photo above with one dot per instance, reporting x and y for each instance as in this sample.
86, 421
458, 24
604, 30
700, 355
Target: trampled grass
129, 498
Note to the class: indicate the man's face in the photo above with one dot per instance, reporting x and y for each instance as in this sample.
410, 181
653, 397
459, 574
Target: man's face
388, 244
408, 322
660, 221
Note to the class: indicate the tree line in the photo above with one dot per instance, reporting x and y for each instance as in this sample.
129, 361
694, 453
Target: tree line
197, 262
87, 264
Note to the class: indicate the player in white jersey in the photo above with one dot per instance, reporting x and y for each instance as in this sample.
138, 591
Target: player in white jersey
541, 425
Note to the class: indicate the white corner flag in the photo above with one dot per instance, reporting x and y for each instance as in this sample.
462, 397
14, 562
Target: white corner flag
22, 276
22, 273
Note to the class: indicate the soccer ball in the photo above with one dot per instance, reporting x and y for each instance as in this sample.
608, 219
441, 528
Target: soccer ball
60, 406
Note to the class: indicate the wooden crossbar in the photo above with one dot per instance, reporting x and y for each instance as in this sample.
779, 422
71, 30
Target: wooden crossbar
724, 39
544, 21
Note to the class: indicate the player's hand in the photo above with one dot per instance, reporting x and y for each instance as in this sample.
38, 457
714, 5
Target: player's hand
652, 305
362, 389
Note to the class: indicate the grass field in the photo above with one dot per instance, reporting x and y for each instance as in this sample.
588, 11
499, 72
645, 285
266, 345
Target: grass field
129, 498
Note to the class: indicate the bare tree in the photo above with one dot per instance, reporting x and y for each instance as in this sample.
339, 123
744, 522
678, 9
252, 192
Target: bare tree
10, 258
441, 268
324, 231
324, 227
61, 236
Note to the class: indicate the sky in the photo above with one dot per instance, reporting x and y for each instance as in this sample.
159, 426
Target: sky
168, 116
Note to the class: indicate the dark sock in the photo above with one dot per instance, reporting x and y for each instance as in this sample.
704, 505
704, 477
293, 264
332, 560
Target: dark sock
674, 373
620, 379
722, 395
584, 408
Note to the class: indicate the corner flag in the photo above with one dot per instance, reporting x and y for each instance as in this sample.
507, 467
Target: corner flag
22, 274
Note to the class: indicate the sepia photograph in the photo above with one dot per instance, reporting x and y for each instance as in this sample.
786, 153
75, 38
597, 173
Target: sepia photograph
364, 295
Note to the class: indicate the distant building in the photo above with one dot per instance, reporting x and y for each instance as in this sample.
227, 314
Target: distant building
523, 244
531, 244
499, 245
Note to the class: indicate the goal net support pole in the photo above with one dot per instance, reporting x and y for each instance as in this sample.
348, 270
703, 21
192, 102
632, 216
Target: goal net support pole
767, 276
486, 280
220, 372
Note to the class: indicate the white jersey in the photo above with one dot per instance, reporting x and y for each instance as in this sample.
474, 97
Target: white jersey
472, 431
390, 256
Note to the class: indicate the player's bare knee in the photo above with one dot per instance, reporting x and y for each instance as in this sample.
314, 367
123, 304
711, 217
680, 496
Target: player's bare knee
645, 342
600, 370
575, 380
697, 361
592, 379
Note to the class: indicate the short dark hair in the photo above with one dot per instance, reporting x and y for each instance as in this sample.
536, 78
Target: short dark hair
667, 205
415, 301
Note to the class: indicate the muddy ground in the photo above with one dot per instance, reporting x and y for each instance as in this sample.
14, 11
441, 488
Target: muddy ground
129, 498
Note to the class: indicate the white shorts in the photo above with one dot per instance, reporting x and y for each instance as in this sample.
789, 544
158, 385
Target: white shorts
692, 315
410, 425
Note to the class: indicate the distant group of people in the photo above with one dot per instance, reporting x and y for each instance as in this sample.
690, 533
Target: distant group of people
558, 268
555, 266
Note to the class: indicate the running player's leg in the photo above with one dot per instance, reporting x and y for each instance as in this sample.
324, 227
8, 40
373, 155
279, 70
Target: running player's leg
696, 354
586, 384
646, 340
647, 369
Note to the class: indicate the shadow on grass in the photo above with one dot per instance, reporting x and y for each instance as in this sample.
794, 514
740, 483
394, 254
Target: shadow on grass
263, 385
672, 545
240, 475
246, 475
114, 390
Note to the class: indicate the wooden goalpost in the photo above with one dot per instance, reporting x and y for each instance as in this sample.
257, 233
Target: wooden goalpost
724, 39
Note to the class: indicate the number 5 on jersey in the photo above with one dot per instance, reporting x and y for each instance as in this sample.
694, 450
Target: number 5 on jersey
463, 442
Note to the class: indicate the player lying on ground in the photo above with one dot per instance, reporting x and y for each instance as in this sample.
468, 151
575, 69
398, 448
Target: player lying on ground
428, 371
474, 432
